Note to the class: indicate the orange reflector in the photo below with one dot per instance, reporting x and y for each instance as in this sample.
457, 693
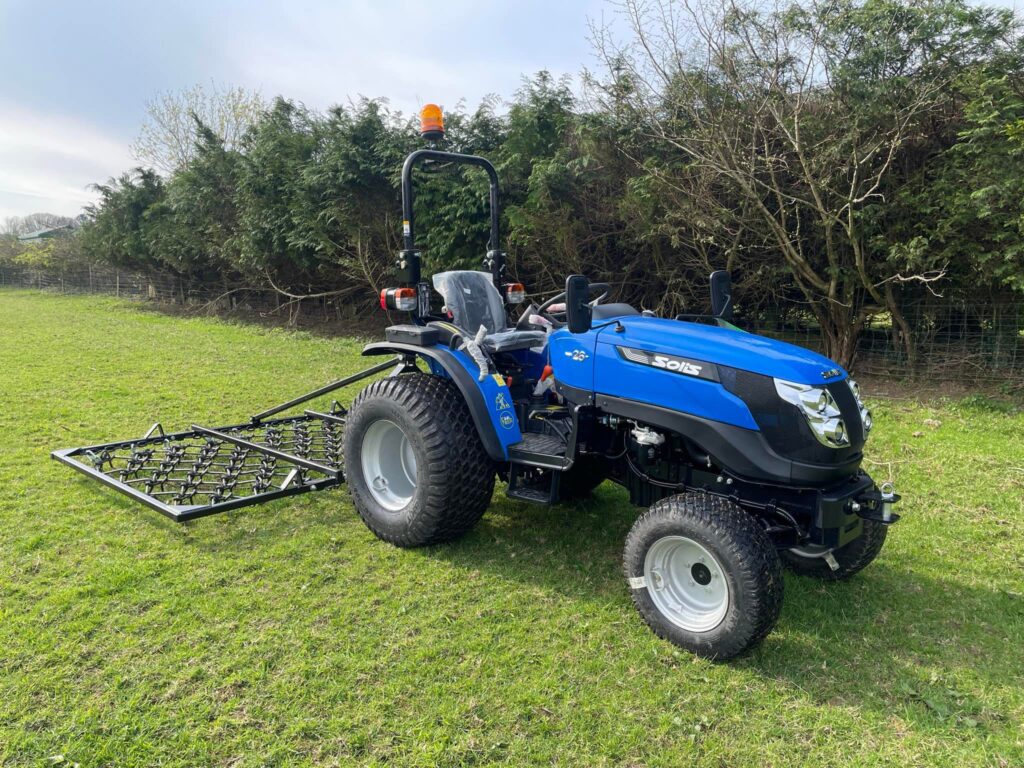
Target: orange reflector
515, 293
431, 122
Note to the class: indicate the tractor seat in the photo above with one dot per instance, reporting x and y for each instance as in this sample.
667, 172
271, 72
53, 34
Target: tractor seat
473, 301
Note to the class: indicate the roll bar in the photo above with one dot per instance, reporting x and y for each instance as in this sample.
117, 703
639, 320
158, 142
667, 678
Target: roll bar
409, 258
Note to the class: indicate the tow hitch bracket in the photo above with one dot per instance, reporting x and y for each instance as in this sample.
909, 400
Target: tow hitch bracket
877, 505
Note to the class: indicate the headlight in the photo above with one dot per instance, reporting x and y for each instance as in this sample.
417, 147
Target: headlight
820, 410
865, 414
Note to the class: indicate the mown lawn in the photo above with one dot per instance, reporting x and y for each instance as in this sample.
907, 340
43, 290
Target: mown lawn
286, 634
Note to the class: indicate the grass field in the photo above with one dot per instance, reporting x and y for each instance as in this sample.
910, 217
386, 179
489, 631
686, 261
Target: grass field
286, 634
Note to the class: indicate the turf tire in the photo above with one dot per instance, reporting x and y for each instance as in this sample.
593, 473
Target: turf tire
454, 474
744, 552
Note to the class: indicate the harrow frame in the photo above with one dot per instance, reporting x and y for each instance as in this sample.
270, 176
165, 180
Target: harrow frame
180, 472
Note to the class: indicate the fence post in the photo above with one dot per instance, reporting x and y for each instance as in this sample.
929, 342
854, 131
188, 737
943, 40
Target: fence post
117, 283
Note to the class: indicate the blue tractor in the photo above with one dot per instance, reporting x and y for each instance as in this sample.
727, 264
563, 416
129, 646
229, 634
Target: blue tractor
745, 452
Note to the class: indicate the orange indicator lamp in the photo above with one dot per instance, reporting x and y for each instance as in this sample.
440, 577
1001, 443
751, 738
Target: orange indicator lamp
431, 122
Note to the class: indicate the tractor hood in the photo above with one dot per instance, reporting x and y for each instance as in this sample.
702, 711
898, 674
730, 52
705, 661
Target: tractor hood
715, 386
723, 346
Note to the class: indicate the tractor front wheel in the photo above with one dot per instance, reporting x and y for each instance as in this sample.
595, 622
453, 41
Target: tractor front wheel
704, 575
414, 463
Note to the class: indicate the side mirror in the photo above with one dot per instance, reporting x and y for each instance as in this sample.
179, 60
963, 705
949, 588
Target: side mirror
721, 294
578, 312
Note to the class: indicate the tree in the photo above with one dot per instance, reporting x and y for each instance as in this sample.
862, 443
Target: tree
121, 222
270, 194
168, 137
562, 183
195, 223
783, 127
22, 225
965, 209
351, 198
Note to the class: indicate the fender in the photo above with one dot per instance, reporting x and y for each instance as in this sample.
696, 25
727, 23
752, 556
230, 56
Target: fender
489, 401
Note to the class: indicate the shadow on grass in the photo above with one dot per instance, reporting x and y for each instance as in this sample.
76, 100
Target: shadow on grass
366, 325
245, 526
873, 641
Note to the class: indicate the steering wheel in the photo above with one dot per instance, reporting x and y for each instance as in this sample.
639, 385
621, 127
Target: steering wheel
548, 310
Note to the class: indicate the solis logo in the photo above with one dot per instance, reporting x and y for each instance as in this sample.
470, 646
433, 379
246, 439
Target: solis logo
673, 364
697, 369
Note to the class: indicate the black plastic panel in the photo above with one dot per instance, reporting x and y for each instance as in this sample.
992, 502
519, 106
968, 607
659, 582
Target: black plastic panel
785, 427
420, 335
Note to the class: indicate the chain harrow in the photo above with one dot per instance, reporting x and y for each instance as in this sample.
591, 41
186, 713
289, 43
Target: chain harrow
203, 471
191, 469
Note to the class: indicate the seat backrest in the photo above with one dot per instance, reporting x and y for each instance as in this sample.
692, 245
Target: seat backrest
473, 300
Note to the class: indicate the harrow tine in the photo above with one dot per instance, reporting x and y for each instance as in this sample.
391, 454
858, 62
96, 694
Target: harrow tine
155, 428
202, 471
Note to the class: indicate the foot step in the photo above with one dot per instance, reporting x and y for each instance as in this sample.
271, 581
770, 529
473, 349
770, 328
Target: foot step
524, 483
540, 450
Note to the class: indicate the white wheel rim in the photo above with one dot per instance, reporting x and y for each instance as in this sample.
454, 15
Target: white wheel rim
389, 465
686, 583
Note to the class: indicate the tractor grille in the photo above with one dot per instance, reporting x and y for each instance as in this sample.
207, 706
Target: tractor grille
785, 427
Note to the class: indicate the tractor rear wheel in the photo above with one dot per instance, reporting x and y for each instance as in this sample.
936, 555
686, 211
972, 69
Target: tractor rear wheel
842, 562
414, 463
704, 575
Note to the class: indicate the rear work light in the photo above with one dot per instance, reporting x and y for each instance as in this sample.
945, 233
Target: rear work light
402, 299
515, 293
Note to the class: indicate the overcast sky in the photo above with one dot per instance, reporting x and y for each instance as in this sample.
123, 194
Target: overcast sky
75, 76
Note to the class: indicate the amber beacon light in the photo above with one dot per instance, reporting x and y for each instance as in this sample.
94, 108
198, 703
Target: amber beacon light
431, 122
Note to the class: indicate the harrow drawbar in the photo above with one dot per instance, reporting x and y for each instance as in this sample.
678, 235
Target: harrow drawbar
202, 471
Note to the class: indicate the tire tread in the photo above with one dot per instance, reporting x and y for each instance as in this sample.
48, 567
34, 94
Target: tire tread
746, 543
460, 472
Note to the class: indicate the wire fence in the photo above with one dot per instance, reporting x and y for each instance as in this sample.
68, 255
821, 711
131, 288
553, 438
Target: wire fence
191, 296
952, 341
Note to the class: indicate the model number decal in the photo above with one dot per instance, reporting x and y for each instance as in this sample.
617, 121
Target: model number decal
674, 363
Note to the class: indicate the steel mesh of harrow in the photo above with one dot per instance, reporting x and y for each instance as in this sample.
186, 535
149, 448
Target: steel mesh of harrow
196, 469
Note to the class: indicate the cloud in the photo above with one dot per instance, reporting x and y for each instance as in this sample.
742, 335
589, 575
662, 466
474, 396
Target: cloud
81, 102
47, 161
408, 52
